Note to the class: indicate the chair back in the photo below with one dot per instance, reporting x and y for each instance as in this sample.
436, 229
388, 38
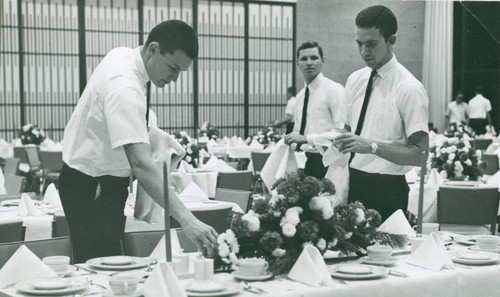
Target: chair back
11, 166
20, 153
242, 198
468, 205
11, 230
51, 160
239, 180
482, 144
219, 219
60, 226
41, 248
33, 157
14, 183
491, 161
141, 243
259, 160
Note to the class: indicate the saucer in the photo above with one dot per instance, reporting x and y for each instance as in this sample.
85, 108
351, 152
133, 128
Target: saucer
476, 248
375, 272
204, 286
369, 261
51, 288
229, 289
117, 260
50, 284
67, 272
252, 278
354, 269
475, 259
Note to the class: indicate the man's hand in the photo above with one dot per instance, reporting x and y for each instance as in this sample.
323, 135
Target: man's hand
352, 143
203, 235
295, 137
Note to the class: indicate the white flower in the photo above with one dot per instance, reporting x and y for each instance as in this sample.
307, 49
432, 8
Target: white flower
288, 230
333, 242
233, 258
252, 220
321, 244
443, 174
468, 162
221, 237
479, 154
348, 235
432, 155
278, 253
322, 204
451, 156
443, 150
275, 197
466, 137
292, 215
449, 161
188, 159
223, 250
360, 216
235, 248
465, 149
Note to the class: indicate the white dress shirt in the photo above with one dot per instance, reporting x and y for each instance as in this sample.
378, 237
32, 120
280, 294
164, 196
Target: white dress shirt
456, 112
110, 113
290, 106
479, 107
323, 109
398, 107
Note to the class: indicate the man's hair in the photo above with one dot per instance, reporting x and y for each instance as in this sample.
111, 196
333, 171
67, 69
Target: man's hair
379, 17
292, 90
479, 90
459, 92
310, 44
174, 35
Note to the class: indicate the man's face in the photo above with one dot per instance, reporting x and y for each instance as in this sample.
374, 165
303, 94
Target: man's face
459, 98
373, 48
162, 69
310, 63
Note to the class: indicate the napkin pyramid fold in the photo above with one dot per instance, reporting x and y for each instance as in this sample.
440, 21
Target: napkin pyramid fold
431, 254
310, 268
162, 283
435, 179
193, 193
159, 250
397, 224
52, 195
256, 144
23, 265
27, 207
2, 183
494, 179
184, 167
279, 163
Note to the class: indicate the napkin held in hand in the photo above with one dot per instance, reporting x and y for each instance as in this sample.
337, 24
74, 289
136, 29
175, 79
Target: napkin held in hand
310, 268
397, 224
432, 254
23, 265
279, 163
163, 283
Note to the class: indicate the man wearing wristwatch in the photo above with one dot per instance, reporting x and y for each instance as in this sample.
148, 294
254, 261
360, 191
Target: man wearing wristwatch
387, 114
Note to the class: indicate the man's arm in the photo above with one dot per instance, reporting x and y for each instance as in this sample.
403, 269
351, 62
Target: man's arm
151, 179
288, 119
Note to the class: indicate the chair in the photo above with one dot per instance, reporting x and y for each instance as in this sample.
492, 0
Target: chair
481, 144
42, 248
219, 219
11, 230
51, 164
259, 159
14, 183
491, 161
239, 180
20, 153
60, 226
142, 243
17, 196
467, 206
242, 198
11, 166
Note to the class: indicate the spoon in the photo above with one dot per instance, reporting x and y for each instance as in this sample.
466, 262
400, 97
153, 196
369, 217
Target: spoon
252, 289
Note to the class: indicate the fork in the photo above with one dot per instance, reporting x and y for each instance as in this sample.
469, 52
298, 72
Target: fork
252, 289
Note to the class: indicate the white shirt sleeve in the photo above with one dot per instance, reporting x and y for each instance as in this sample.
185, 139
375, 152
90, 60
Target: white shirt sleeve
414, 108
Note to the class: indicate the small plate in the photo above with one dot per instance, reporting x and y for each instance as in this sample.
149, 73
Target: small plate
135, 262
476, 248
67, 272
74, 286
367, 260
474, 256
252, 278
229, 289
205, 286
376, 272
466, 240
469, 261
50, 284
354, 269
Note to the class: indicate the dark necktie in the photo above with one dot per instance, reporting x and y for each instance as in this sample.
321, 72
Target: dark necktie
304, 113
362, 114
148, 97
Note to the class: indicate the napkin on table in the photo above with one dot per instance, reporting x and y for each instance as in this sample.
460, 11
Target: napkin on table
256, 144
159, 250
23, 265
397, 224
2, 183
163, 283
310, 268
184, 167
494, 179
38, 228
220, 166
279, 163
52, 195
211, 162
435, 178
27, 207
241, 142
193, 193
412, 175
431, 254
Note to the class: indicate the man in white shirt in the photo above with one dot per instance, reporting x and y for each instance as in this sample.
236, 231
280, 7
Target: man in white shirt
456, 112
318, 106
387, 109
479, 112
106, 140
289, 111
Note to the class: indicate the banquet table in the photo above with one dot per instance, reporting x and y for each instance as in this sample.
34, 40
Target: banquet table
207, 181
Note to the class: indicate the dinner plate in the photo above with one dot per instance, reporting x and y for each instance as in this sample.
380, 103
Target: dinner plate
50, 284
73, 286
461, 183
10, 202
476, 248
376, 272
367, 260
229, 289
120, 263
465, 240
354, 269
461, 259
205, 286
252, 278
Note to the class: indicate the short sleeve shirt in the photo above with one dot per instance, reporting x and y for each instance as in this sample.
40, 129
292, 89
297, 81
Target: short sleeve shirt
291, 105
110, 114
456, 112
479, 107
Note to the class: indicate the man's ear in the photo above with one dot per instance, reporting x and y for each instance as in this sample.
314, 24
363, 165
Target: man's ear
392, 39
153, 47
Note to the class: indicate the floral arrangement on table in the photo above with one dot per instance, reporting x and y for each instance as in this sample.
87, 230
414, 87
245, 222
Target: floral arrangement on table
31, 134
192, 149
302, 211
459, 131
266, 136
455, 159
208, 131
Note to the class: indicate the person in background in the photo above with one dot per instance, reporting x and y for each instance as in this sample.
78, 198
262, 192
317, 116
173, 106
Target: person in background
387, 108
106, 140
456, 112
289, 111
479, 112
318, 106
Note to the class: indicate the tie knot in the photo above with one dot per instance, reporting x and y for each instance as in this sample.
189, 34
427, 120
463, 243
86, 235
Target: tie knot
374, 72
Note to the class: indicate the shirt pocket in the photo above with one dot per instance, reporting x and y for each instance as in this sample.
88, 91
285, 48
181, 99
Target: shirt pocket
387, 124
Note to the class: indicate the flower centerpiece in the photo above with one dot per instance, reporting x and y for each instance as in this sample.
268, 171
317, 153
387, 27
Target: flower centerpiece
455, 159
31, 134
266, 135
192, 149
302, 211
208, 131
460, 131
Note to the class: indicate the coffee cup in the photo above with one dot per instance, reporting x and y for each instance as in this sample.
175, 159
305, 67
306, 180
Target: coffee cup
428, 228
123, 284
58, 264
379, 252
487, 242
416, 242
252, 266
182, 267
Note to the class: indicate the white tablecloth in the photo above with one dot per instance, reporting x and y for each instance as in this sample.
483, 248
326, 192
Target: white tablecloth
242, 152
207, 181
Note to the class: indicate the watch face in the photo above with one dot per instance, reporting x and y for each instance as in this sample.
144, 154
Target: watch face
374, 148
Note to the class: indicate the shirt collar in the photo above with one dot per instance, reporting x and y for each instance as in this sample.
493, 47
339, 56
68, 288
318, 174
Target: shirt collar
315, 82
387, 67
141, 68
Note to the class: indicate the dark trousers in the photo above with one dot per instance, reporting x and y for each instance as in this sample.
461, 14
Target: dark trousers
478, 125
314, 166
96, 224
382, 192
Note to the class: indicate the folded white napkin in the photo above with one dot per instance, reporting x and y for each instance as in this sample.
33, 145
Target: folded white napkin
435, 179
162, 283
2, 183
27, 207
331, 155
159, 251
241, 142
193, 193
38, 227
184, 167
256, 144
203, 153
412, 175
220, 166
431, 254
310, 268
397, 224
279, 163
211, 162
23, 265
494, 179
52, 195
492, 148
211, 142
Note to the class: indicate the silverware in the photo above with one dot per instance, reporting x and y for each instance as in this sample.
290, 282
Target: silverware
84, 268
252, 289
397, 273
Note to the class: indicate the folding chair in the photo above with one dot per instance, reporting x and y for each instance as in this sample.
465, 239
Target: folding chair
467, 206
11, 166
60, 226
491, 161
41, 248
259, 159
14, 183
51, 164
239, 180
481, 144
11, 230
219, 219
141, 243
242, 198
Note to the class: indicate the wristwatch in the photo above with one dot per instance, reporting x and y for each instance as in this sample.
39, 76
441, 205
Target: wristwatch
373, 148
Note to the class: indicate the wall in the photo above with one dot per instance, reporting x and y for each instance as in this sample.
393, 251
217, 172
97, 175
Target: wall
331, 23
